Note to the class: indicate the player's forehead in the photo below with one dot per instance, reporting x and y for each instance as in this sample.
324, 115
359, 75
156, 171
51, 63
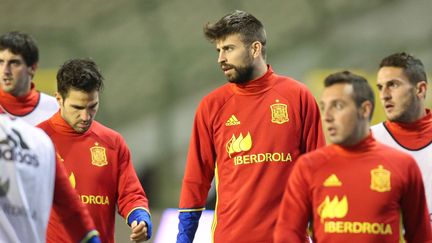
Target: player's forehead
391, 74
337, 92
7, 54
229, 40
82, 98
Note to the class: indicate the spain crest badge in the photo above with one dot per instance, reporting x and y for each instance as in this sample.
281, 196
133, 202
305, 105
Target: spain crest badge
380, 179
279, 113
98, 155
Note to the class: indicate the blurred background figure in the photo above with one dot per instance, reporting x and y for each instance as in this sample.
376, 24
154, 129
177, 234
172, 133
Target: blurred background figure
19, 56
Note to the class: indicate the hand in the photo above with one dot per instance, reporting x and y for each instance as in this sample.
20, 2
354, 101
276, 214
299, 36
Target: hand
139, 231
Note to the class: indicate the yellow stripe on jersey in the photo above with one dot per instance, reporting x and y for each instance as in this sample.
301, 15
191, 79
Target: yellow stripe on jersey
217, 199
183, 210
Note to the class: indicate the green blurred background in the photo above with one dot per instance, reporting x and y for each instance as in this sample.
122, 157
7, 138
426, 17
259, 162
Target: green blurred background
157, 64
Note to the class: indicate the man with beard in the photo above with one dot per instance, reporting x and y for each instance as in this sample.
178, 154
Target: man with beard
356, 189
19, 57
96, 158
247, 135
402, 85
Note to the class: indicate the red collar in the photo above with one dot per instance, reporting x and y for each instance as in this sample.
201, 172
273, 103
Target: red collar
255, 86
22, 105
413, 135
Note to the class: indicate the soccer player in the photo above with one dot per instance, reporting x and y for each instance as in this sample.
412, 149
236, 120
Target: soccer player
19, 58
247, 135
96, 158
357, 189
402, 85
31, 180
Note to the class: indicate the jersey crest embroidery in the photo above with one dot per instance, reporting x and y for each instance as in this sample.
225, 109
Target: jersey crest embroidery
279, 113
380, 179
98, 155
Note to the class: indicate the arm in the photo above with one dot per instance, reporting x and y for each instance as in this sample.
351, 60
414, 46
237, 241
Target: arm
74, 215
312, 133
414, 208
199, 173
295, 211
132, 200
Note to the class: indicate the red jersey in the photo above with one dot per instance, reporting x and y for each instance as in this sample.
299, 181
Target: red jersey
248, 136
355, 194
73, 214
99, 166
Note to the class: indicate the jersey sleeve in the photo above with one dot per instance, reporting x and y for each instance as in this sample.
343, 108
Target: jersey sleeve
74, 215
312, 133
200, 164
131, 195
295, 209
414, 208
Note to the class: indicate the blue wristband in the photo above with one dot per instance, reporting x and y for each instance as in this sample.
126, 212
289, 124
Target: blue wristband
141, 215
188, 225
94, 239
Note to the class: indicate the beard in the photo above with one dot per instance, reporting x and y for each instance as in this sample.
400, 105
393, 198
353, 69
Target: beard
242, 74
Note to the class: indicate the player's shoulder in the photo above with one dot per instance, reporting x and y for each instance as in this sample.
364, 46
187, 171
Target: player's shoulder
317, 157
106, 134
220, 94
48, 101
23, 129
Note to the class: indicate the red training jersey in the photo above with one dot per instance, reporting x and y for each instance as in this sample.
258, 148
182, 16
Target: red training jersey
73, 214
248, 136
355, 194
99, 166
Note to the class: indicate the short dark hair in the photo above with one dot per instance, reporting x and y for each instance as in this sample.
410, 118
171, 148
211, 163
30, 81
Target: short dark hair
238, 22
20, 43
79, 74
412, 67
362, 91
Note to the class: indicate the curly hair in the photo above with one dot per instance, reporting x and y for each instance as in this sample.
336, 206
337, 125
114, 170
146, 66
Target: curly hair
79, 74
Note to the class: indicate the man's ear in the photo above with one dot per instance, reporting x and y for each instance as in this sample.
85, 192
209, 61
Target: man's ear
421, 89
32, 70
366, 109
256, 49
59, 98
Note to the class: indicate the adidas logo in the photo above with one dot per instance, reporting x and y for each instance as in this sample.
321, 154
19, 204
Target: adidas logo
232, 121
332, 181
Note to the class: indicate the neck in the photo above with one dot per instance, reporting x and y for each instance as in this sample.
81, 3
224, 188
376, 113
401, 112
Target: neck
358, 135
260, 69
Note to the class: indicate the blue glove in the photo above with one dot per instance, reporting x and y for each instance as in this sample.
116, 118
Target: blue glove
139, 215
94, 239
188, 224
